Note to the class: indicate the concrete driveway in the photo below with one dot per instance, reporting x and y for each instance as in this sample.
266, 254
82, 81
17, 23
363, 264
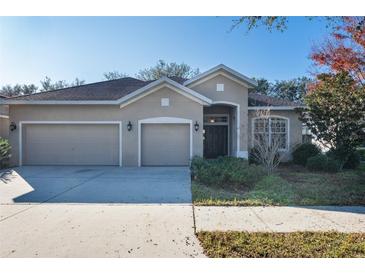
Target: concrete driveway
96, 212
59, 184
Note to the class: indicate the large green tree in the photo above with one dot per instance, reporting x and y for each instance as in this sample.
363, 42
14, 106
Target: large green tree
335, 112
163, 68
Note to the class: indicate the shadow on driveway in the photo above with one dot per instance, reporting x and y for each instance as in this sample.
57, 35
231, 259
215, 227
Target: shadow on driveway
95, 184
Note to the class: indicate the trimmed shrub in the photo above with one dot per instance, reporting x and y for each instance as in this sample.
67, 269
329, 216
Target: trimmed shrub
317, 163
303, 152
322, 162
4, 152
353, 161
333, 165
225, 171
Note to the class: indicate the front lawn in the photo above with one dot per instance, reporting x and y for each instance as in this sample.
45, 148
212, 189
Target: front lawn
282, 245
290, 185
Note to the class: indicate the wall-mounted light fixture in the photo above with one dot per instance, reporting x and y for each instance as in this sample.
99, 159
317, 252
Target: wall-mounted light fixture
12, 126
129, 126
196, 126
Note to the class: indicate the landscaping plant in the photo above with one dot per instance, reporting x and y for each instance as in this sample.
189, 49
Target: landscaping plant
336, 101
225, 171
303, 152
266, 150
335, 114
4, 152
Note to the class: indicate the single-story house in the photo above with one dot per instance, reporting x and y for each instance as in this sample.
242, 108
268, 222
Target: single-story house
129, 122
4, 118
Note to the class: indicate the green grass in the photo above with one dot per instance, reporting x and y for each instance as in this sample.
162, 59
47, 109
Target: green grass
282, 245
290, 186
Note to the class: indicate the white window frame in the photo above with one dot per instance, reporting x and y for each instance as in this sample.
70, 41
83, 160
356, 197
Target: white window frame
220, 87
21, 123
271, 116
165, 102
163, 120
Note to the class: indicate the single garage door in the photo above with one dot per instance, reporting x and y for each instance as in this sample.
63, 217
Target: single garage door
165, 144
70, 144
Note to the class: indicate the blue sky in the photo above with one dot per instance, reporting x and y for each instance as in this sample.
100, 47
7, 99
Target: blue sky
67, 47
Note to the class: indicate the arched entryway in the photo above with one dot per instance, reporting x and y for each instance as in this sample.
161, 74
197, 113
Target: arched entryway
221, 129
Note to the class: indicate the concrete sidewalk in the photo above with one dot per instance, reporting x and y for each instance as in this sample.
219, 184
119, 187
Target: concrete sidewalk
281, 219
98, 230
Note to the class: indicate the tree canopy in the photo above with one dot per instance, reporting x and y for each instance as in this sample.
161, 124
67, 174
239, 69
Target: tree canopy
113, 75
46, 85
279, 23
163, 68
335, 112
344, 51
292, 90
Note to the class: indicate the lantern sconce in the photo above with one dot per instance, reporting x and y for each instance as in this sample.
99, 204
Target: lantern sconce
129, 126
12, 126
196, 126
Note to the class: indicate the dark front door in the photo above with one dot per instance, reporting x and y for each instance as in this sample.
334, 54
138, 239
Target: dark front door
215, 141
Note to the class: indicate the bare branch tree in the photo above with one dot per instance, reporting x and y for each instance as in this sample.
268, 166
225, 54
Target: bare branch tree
266, 148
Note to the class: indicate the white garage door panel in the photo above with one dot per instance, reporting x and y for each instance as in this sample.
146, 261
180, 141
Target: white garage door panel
59, 144
165, 144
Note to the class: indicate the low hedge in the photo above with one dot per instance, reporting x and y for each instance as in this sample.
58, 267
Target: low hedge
321, 162
303, 152
225, 171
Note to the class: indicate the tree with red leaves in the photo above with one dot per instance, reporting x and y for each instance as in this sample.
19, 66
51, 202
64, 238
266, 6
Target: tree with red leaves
345, 50
335, 102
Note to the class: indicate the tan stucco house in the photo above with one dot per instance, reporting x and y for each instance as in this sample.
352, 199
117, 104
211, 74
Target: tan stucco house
129, 122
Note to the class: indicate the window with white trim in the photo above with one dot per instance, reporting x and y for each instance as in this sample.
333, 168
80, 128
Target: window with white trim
272, 128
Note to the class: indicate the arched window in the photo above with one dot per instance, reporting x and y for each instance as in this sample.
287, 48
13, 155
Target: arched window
272, 128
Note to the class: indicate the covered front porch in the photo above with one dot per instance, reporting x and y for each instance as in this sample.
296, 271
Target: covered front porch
221, 130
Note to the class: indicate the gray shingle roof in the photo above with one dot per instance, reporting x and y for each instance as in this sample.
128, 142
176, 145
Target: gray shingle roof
106, 90
116, 89
258, 100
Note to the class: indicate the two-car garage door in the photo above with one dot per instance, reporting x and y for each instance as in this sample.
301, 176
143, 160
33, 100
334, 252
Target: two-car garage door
70, 144
99, 144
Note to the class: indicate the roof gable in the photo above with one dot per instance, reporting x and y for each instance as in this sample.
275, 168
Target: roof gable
224, 70
158, 84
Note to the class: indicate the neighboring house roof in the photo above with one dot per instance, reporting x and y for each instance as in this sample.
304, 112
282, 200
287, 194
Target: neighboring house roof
250, 82
260, 100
